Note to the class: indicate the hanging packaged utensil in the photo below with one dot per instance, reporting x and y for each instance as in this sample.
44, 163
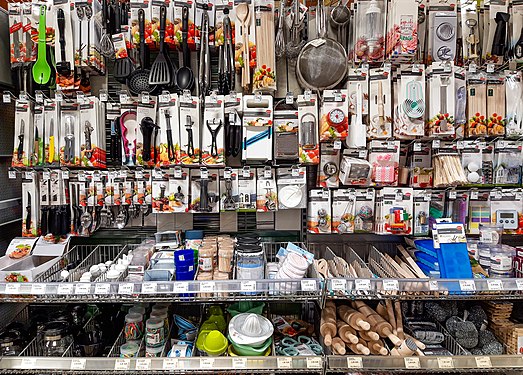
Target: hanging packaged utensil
184, 75
138, 80
161, 70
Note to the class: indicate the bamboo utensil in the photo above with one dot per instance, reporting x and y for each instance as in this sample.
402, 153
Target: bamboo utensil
243, 15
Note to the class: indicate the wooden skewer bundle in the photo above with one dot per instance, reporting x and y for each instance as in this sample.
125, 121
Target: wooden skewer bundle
448, 171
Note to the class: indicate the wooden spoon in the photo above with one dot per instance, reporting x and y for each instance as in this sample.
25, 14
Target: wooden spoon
243, 15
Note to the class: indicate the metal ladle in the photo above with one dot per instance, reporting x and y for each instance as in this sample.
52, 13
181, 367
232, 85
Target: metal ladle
340, 16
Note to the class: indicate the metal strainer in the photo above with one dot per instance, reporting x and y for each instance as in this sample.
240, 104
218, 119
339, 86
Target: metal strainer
322, 63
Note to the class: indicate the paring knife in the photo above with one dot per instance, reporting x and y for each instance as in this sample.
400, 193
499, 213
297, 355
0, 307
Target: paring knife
20, 152
28, 214
51, 141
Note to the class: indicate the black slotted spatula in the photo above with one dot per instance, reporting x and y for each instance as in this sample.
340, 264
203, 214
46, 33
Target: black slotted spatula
161, 70
124, 66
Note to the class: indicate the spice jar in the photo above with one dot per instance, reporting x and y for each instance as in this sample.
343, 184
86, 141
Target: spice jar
133, 326
207, 258
225, 255
56, 339
129, 350
154, 332
250, 264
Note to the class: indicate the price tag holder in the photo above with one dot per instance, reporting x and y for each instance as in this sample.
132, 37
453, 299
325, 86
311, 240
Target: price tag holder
467, 285
483, 362
519, 284
149, 288
64, 289
12, 288
267, 172
102, 288
170, 363
412, 362
362, 284
339, 284
28, 363
181, 287
38, 289
308, 285
12, 174
495, 284
238, 362
337, 144
391, 285
145, 98
127, 288
82, 288
314, 362
122, 364
354, 362
143, 363
78, 363
206, 363
207, 286
6, 98
433, 285
445, 362
248, 286
284, 362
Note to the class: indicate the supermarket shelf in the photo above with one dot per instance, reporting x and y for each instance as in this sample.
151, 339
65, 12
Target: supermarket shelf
185, 291
314, 364
340, 288
425, 364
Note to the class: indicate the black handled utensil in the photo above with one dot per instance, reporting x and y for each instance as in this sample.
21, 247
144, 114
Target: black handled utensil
63, 67
20, 151
499, 43
161, 68
184, 75
124, 66
138, 80
147, 127
170, 145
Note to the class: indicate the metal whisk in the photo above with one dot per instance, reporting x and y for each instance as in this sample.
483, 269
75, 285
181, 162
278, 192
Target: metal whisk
280, 35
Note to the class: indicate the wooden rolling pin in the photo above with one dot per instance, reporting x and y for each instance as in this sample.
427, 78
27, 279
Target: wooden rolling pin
359, 348
327, 329
369, 335
346, 332
354, 318
339, 345
377, 348
399, 320
378, 324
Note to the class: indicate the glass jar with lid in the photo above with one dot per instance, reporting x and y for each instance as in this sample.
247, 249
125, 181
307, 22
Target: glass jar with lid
56, 339
250, 262
9, 344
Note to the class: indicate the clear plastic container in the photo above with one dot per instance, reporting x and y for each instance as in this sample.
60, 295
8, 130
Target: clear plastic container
154, 332
250, 264
490, 233
129, 350
133, 326
501, 261
56, 339
153, 352
163, 316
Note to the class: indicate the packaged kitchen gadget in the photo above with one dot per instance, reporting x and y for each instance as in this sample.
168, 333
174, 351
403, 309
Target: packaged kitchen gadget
319, 211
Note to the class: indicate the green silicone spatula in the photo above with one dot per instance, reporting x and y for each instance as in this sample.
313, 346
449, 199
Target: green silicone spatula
41, 69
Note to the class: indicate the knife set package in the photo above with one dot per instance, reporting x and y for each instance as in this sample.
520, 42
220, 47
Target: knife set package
146, 150
352, 210
171, 192
384, 158
308, 136
292, 188
189, 130
409, 105
233, 108
213, 153
229, 199
166, 138
380, 104
394, 210
205, 193
358, 87
334, 119
329, 165
92, 133
257, 127
70, 129
441, 97
24, 137
31, 205
319, 211
267, 192
513, 93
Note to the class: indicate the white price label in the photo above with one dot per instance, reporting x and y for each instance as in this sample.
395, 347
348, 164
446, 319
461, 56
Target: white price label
267, 173
143, 363
495, 284
123, 97
65, 175
165, 98
28, 363
325, 193
28, 175
6, 98
102, 288
127, 288
157, 174
483, 362
122, 364
417, 147
467, 285
519, 284
238, 362
308, 285
354, 362
104, 97
206, 362
339, 284
78, 363
246, 172
362, 284
181, 287
38, 289
204, 173
149, 288
314, 362
433, 285
289, 98
362, 154
391, 285
436, 143
227, 173
207, 286
474, 194
12, 288
248, 286
145, 98
82, 288
284, 362
64, 289
295, 172
337, 144
138, 174
12, 175
39, 97
412, 362
490, 68
178, 173
170, 363
46, 175
445, 362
